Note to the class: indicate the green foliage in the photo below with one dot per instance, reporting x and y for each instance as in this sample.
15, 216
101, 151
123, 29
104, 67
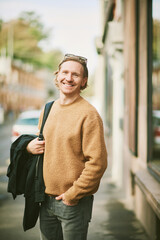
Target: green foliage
22, 37
1, 22
36, 28
51, 59
156, 39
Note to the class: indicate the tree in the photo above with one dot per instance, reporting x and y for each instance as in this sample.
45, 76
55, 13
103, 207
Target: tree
51, 59
22, 37
156, 37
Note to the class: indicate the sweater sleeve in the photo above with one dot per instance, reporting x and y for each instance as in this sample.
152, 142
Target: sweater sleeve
95, 154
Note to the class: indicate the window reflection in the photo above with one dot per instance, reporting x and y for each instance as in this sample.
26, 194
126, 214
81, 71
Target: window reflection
156, 81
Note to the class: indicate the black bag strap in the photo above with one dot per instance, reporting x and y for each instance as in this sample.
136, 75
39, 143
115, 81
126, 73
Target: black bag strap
45, 115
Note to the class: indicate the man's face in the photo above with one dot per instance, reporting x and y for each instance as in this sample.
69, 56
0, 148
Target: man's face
70, 78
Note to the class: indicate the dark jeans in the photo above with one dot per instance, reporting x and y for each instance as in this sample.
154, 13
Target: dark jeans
61, 222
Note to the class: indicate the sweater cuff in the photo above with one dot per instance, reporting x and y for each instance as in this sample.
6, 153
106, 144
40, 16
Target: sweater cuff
69, 199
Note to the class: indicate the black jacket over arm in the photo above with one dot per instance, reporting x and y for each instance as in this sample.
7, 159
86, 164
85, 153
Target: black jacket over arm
25, 174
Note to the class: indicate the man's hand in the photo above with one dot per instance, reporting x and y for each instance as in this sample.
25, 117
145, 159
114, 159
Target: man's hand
62, 197
35, 146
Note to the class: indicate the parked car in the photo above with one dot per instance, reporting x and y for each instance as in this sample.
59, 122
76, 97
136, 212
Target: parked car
156, 128
27, 123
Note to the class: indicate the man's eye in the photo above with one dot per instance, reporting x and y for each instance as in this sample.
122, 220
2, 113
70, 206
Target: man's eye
75, 74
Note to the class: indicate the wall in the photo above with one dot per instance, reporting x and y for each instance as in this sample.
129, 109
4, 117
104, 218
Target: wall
124, 98
145, 187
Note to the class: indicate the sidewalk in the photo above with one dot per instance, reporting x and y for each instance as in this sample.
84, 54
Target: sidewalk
113, 218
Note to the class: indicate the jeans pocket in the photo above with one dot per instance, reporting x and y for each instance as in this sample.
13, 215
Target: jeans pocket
68, 212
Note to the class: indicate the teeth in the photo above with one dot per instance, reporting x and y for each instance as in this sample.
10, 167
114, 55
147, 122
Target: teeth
69, 85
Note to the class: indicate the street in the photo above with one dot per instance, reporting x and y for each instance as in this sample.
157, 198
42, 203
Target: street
11, 211
5, 142
112, 219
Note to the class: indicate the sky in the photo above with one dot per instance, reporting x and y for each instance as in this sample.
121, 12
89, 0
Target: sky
75, 24
155, 9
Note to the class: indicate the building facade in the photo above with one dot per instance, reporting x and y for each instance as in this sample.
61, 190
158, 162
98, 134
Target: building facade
129, 92
20, 88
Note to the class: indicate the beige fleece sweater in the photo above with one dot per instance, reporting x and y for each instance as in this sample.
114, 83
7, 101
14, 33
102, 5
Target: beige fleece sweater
75, 155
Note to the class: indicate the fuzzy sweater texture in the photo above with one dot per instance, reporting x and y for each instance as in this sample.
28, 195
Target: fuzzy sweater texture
75, 156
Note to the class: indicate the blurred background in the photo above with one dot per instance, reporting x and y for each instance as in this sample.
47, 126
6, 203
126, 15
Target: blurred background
34, 37
121, 40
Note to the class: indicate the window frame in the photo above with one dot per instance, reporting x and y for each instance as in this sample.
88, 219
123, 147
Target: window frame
151, 169
133, 109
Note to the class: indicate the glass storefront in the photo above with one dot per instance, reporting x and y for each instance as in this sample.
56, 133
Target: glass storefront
155, 163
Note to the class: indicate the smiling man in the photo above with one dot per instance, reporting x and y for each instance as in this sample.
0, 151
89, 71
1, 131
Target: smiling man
70, 79
75, 156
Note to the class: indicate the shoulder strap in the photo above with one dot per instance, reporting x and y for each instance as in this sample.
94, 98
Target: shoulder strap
45, 115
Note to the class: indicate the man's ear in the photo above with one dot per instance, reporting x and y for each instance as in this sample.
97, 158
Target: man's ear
84, 81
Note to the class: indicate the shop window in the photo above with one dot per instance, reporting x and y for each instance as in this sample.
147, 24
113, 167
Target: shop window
154, 90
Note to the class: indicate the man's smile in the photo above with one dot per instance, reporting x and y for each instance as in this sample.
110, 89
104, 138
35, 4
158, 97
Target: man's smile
68, 85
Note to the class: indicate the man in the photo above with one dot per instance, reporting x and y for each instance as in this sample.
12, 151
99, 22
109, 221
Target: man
75, 156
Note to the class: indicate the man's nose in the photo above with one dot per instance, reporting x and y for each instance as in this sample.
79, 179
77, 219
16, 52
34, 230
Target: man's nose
69, 77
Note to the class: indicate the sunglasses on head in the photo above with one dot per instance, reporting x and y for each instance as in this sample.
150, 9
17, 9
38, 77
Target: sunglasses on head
79, 58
